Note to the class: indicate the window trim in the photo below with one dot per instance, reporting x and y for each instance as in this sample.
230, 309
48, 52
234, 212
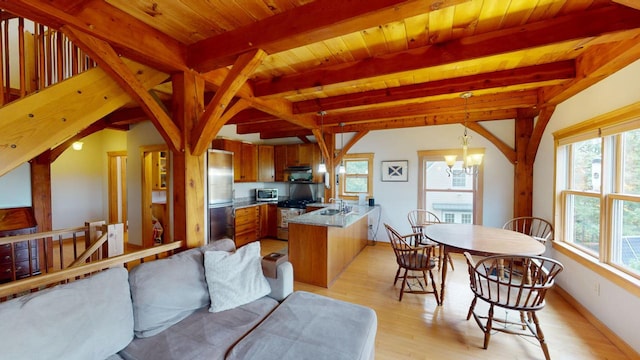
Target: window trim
436, 155
361, 156
620, 119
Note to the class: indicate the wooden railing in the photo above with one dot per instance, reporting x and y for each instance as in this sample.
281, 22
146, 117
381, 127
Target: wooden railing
34, 57
32, 284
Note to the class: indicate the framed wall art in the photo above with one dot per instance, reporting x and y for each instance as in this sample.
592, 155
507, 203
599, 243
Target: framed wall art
395, 170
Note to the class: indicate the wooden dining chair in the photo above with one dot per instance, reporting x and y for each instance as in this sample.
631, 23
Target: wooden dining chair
517, 283
414, 259
420, 218
538, 228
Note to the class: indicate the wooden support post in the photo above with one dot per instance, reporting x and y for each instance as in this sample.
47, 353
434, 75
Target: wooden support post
523, 176
41, 201
115, 240
188, 169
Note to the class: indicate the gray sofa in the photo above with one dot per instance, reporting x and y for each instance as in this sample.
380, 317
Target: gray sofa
160, 310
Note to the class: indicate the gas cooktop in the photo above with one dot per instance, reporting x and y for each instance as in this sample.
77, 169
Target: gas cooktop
297, 204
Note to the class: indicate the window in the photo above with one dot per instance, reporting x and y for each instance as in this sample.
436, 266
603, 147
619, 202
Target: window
449, 217
358, 178
598, 193
455, 198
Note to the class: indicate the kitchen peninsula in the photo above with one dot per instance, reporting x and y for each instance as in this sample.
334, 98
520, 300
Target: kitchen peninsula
322, 243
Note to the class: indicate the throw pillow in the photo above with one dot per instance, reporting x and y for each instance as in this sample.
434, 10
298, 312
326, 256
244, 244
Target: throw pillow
235, 279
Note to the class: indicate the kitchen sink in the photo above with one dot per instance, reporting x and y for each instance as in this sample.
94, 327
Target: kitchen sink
330, 212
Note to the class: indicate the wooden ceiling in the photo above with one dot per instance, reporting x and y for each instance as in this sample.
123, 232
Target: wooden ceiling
369, 64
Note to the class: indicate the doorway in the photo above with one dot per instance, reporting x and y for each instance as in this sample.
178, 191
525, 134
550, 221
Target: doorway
155, 204
117, 173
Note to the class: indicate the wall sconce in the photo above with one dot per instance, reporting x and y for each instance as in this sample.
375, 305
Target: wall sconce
77, 145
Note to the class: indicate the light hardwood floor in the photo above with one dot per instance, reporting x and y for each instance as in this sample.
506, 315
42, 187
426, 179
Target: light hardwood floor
418, 329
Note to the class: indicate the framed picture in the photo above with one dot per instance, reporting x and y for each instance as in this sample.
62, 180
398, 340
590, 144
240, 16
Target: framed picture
395, 170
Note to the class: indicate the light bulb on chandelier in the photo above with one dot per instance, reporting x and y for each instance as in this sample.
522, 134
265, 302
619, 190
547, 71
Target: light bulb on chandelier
470, 162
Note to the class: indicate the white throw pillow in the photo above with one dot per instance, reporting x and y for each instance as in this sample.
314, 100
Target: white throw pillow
235, 279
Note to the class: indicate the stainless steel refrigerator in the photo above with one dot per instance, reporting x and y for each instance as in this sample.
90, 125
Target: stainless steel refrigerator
220, 194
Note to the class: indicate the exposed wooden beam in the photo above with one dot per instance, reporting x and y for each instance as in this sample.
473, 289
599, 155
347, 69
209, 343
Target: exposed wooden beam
129, 36
58, 112
564, 28
562, 70
321, 143
102, 53
543, 119
93, 128
209, 123
508, 152
518, 99
345, 149
279, 108
309, 23
635, 4
276, 134
593, 65
251, 116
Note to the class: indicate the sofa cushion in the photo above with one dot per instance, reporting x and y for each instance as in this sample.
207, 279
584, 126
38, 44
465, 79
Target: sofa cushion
310, 326
85, 319
168, 290
202, 335
235, 279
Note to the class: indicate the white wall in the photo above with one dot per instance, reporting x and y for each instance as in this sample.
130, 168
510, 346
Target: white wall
140, 134
15, 187
613, 305
398, 198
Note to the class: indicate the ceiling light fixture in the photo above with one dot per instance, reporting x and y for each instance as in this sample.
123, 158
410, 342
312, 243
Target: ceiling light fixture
77, 145
322, 168
470, 162
341, 168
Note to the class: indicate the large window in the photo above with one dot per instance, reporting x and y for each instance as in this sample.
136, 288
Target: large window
598, 193
454, 198
358, 178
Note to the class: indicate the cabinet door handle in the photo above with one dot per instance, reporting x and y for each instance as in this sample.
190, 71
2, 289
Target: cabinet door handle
8, 271
8, 257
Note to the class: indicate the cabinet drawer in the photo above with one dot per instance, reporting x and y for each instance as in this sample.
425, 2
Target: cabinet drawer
23, 254
22, 268
246, 227
6, 258
245, 238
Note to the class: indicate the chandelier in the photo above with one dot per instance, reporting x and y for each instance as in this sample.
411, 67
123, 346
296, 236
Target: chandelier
470, 162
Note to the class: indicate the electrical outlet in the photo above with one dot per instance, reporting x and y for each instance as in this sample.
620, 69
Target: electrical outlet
596, 288
370, 226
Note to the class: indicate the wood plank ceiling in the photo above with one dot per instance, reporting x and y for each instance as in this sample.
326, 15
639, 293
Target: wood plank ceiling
370, 65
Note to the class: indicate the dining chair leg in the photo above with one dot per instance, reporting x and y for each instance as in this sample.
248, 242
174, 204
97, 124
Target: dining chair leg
450, 261
540, 336
404, 283
397, 276
472, 307
487, 328
435, 288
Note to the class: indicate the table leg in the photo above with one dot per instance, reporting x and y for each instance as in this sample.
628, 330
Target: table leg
445, 250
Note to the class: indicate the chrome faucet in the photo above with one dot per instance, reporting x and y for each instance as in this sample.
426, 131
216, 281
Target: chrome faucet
341, 204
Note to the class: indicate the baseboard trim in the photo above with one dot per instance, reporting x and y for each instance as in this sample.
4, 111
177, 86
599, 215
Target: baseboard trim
612, 336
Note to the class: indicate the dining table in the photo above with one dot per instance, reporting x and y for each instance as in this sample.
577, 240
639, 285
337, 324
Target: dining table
479, 240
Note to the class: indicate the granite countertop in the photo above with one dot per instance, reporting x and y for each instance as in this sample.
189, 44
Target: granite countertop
338, 220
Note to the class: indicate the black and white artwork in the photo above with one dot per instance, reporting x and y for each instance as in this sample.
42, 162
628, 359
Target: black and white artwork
395, 170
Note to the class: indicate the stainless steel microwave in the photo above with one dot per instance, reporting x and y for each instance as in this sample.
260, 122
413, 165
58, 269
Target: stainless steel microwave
266, 194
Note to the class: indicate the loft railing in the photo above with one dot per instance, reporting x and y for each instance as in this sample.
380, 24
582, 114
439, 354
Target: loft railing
35, 283
34, 56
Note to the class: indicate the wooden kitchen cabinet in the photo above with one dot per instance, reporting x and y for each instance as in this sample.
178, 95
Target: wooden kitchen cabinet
280, 161
266, 164
159, 170
269, 221
245, 158
247, 225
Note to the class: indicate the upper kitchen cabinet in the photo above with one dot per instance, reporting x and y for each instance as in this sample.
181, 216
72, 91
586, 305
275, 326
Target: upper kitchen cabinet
245, 158
266, 165
159, 170
293, 155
